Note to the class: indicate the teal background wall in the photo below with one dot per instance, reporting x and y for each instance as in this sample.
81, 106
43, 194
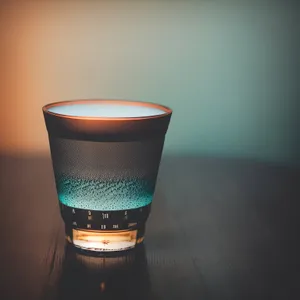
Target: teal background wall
229, 69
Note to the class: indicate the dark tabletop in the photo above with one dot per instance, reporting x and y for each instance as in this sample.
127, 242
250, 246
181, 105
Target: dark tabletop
219, 229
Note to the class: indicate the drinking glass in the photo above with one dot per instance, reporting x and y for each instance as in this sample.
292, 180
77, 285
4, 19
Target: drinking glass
105, 155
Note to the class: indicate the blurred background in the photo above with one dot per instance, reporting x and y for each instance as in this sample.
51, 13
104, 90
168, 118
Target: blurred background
229, 70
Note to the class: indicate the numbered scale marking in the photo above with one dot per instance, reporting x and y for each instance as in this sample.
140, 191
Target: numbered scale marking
105, 220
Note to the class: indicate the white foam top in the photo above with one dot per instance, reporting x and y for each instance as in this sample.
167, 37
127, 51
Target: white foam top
106, 110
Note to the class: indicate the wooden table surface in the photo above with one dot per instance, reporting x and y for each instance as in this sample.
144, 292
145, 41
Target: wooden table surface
219, 229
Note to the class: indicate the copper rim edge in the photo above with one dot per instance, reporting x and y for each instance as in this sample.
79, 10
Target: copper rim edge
167, 110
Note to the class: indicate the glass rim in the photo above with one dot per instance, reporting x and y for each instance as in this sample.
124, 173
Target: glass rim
167, 111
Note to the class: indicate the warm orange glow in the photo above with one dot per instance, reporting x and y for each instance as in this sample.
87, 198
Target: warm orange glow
100, 236
140, 240
102, 286
104, 240
24, 76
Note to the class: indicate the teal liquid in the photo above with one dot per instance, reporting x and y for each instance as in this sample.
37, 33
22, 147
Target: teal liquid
108, 195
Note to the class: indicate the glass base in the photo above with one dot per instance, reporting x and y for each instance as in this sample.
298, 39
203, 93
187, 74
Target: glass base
100, 241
